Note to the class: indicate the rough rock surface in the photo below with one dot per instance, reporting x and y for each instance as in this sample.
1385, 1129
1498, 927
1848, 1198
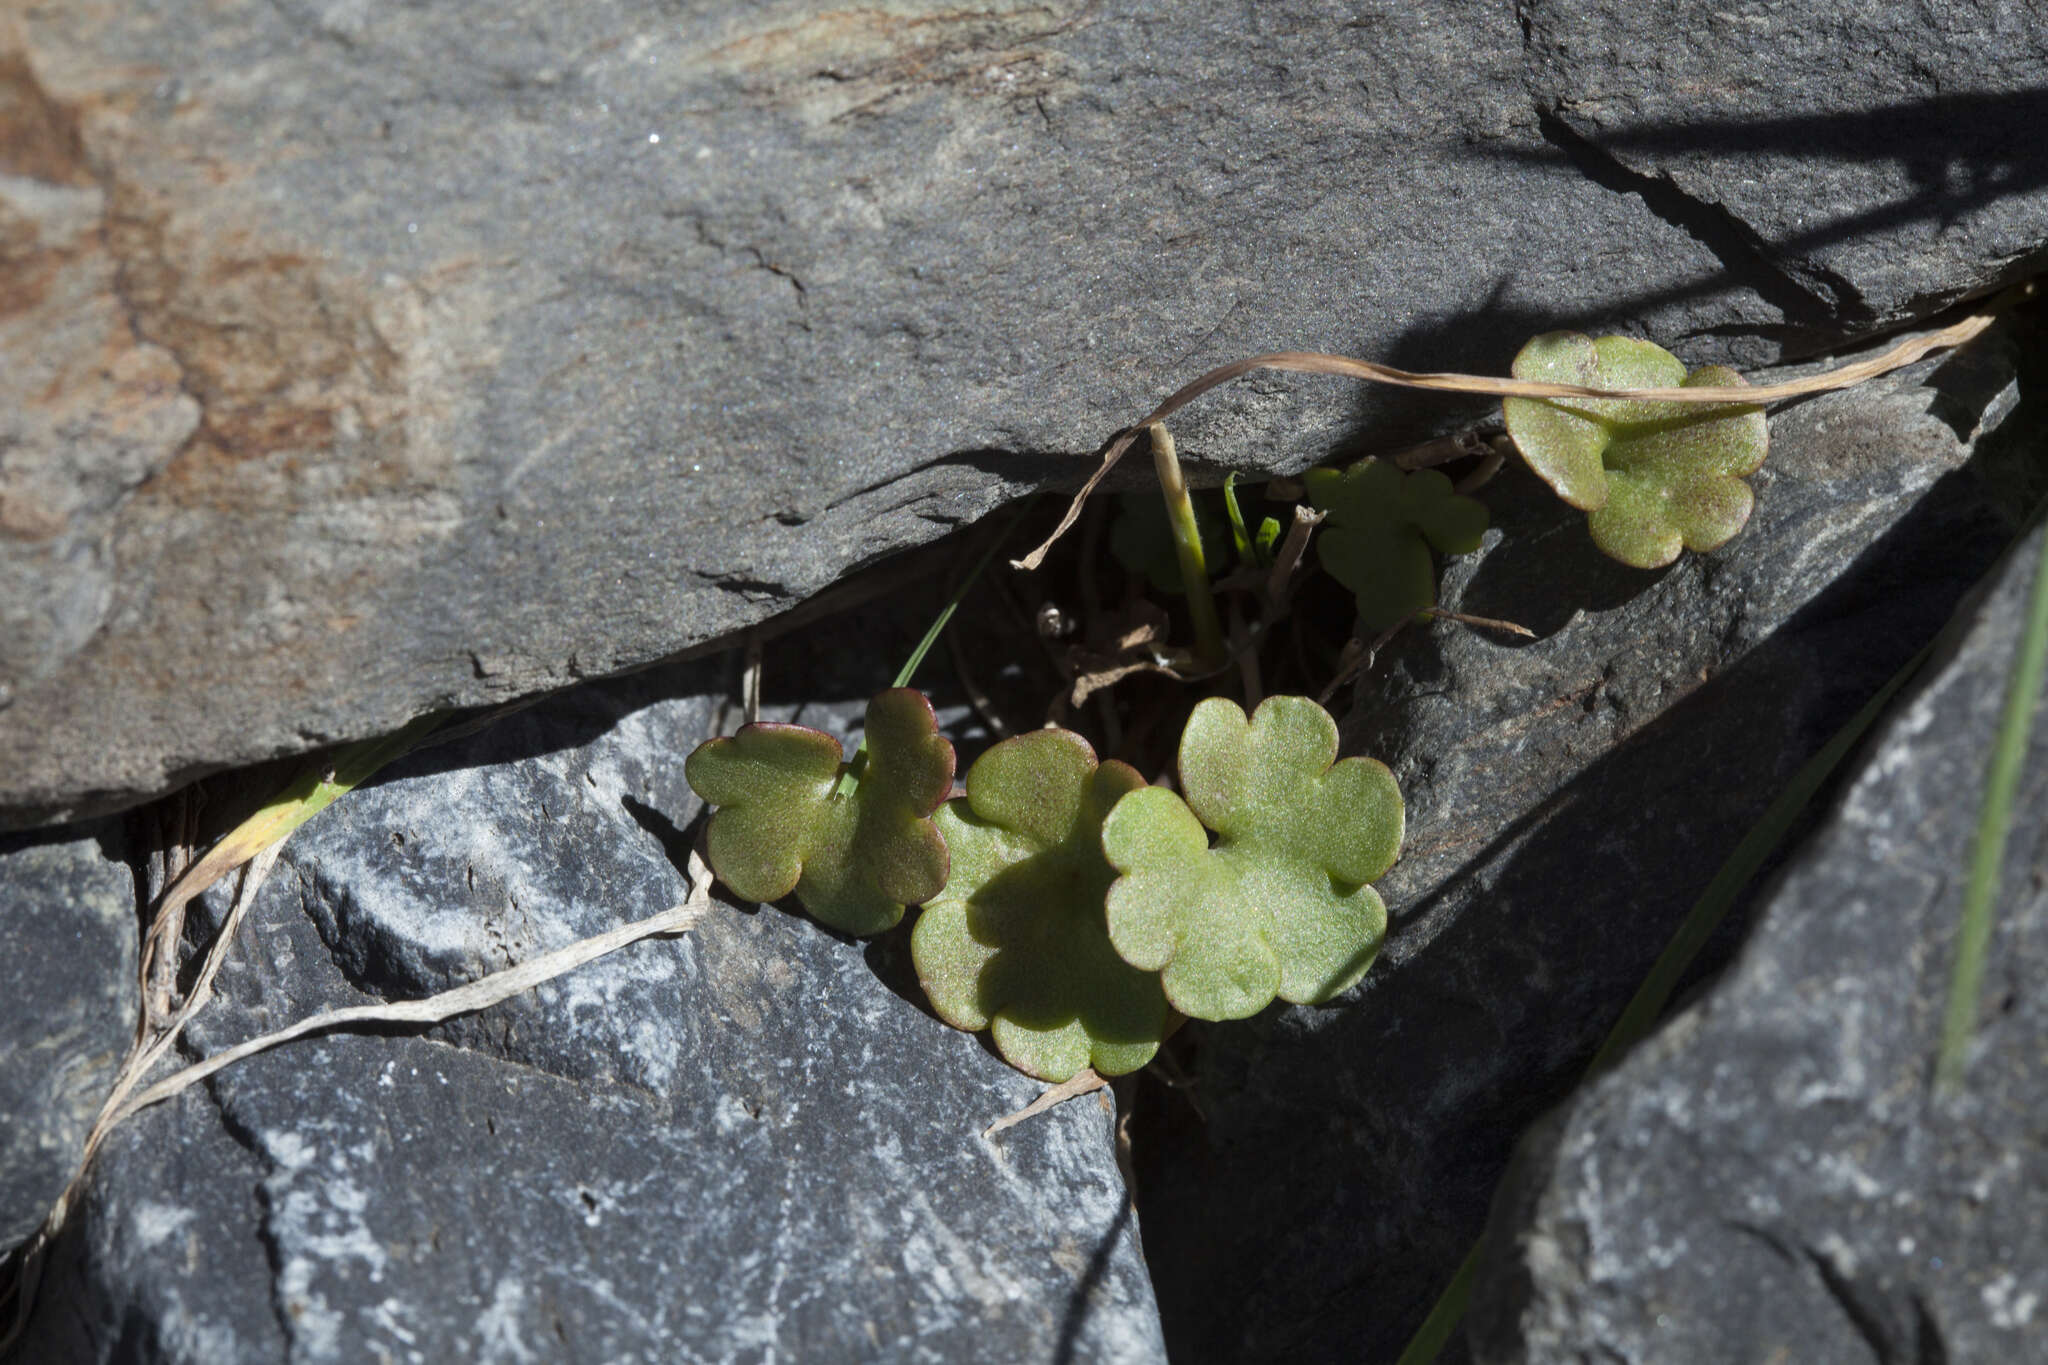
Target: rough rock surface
746, 1144
1774, 1176
1568, 800
67, 1005
362, 360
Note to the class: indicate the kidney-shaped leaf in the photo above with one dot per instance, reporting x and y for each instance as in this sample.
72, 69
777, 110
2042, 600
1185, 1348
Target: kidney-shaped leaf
1016, 942
854, 858
1280, 905
1652, 477
1378, 531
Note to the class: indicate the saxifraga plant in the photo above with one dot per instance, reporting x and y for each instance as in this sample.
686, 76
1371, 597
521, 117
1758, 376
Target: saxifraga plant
1070, 907
1075, 912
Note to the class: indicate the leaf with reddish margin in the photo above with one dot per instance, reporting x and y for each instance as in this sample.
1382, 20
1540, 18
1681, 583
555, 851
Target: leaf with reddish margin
853, 858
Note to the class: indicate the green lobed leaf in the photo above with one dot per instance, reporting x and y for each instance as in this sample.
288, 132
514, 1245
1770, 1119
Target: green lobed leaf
854, 858
1379, 529
1017, 943
1279, 906
1653, 478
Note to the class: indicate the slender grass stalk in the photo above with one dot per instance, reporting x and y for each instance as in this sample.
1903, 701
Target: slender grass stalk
1994, 822
1444, 1315
931, 636
1700, 922
1187, 548
858, 763
1641, 1012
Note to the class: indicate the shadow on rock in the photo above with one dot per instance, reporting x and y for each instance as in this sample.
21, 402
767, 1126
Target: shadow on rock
1560, 826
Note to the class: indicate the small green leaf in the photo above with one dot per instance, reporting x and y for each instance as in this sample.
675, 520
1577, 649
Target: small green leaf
1280, 905
1141, 538
1653, 478
1250, 553
1016, 943
1379, 528
854, 859
1268, 537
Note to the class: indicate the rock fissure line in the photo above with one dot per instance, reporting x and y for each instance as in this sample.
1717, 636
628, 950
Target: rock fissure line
1742, 253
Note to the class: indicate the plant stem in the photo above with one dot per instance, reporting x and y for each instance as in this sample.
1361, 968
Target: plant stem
1187, 547
1994, 821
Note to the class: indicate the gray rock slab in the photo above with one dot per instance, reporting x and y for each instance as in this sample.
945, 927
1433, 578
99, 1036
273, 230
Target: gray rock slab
67, 1005
742, 1145
1568, 799
1867, 157
1774, 1176
365, 362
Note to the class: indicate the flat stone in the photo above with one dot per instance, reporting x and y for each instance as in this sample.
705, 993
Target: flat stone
67, 1005
1569, 798
363, 365
747, 1143
1774, 1175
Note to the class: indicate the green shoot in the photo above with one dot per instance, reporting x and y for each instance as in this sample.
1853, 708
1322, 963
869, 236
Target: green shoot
1187, 542
1994, 821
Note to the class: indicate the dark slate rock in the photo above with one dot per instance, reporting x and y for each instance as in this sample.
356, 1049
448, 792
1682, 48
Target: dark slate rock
1840, 158
67, 1005
365, 363
742, 1145
1773, 1177
1568, 800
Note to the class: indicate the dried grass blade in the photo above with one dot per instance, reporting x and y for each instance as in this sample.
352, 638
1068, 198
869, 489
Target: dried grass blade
478, 994
1316, 362
1082, 1082
314, 791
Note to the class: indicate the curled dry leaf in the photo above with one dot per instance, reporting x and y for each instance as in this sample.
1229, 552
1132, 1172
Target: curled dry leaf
854, 858
1378, 529
1653, 478
1279, 906
1138, 646
1016, 943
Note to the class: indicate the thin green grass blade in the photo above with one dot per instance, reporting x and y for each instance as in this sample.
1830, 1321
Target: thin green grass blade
1445, 1315
931, 637
1187, 547
1640, 1015
1994, 822
858, 762
855, 766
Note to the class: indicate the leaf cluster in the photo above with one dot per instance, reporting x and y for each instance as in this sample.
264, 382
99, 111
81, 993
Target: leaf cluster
1069, 908
1076, 913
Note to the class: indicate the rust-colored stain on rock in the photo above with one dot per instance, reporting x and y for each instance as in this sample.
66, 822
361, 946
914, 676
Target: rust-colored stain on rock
38, 137
28, 266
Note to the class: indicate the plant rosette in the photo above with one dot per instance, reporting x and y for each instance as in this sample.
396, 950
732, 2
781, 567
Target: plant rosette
1652, 478
1016, 942
1379, 527
1280, 906
853, 857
